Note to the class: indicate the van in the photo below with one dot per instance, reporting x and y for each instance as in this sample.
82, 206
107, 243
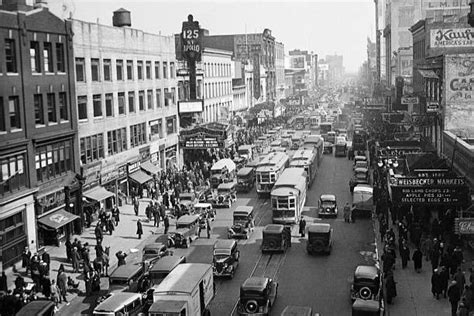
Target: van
125, 304
222, 171
362, 199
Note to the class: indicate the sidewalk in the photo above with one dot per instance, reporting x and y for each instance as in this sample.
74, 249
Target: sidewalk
124, 238
414, 295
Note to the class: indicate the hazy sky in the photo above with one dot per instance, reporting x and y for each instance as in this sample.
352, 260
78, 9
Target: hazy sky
322, 26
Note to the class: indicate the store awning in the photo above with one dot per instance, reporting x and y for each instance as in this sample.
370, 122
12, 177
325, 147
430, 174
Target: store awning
98, 194
428, 73
57, 219
150, 168
140, 177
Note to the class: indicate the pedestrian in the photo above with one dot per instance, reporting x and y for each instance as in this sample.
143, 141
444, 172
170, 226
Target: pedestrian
404, 254
347, 213
391, 287
99, 234
454, 296
444, 276
62, 285
460, 279
302, 226
434, 258
110, 225
208, 227
149, 211
54, 293
76, 258
46, 287
156, 216
458, 256
135, 205
166, 222
436, 286
116, 214
463, 309
139, 229
26, 259
47, 259
417, 259
3, 282
121, 257
19, 283
99, 250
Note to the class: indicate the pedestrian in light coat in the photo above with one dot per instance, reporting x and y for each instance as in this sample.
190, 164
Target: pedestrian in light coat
139, 229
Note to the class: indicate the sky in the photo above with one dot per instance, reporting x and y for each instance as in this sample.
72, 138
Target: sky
325, 27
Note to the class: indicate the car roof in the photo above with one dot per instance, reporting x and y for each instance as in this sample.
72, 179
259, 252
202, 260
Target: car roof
297, 311
202, 205
167, 263
255, 284
244, 171
363, 188
273, 228
244, 209
155, 245
126, 271
224, 244
358, 157
187, 219
284, 191
186, 194
328, 197
116, 300
227, 185
167, 306
319, 228
366, 305
35, 307
366, 272
226, 162
361, 169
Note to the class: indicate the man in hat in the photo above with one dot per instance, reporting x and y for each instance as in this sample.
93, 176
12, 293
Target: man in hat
454, 295
139, 229
121, 257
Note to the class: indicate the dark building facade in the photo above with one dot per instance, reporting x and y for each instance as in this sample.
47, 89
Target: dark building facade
38, 130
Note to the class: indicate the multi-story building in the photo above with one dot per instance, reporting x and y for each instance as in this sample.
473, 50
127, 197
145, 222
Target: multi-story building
336, 67
38, 130
126, 91
280, 70
242, 84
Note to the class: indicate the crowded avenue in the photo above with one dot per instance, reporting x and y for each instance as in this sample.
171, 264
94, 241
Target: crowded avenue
222, 171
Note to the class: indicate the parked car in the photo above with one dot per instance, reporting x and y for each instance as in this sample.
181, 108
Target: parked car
366, 284
361, 176
38, 308
225, 257
298, 311
125, 278
362, 307
243, 222
327, 205
319, 238
276, 238
226, 194
154, 251
328, 148
257, 296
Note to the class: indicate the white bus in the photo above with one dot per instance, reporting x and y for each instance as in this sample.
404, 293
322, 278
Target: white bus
308, 160
289, 196
269, 170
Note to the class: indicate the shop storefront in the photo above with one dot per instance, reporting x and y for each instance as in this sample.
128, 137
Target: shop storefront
138, 180
97, 199
13, 237
55, 226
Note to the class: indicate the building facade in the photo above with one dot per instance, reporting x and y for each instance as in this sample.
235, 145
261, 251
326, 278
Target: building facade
38, 130
126, 91
242, 84
280, 70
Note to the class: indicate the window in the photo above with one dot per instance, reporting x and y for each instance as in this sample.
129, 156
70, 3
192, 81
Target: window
157, 70
109, 105
82, 107
10, 55
95, 64
167, 97
165, 70
131, 102
148, 69
121, 103
156, 128
149, 99
39, 112
140, 70
170, 125
158, 98
92, 148
48, 57
80, 69
97, 105
52, 116
63, 106
130, 69
60, 60
116, 141
119, 69
3, 126
14, 112
172, 71
141, 100
12, 173
53, 160
137, 135
173, 96
35, 57
107, 70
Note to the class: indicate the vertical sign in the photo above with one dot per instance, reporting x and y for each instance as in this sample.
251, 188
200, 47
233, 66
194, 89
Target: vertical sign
256, 76
191, 40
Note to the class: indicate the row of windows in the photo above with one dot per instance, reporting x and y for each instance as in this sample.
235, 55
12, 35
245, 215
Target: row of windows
12, 173
55, 111
10, 117
53, 160
120, 70
92, 147
45, 57
214, 112
147, 99
216, 89
217, 70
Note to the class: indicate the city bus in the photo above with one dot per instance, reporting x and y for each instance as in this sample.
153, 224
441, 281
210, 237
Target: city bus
288, 196
269, 170
316, 143
308, 160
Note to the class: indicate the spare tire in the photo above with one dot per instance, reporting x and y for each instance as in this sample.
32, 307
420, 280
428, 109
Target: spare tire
318, 245
272, 244
251, 306
365, 293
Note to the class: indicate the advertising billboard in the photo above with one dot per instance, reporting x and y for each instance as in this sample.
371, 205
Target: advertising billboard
191, 40
442, 38
195, 106
459, 95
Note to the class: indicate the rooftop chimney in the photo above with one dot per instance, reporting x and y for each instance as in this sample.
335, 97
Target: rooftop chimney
122, 18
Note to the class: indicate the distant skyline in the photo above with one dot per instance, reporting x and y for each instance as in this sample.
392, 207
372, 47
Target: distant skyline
324, 27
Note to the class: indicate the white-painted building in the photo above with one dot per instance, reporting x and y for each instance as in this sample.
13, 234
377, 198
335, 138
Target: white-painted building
242, 88
280, 70
126, 90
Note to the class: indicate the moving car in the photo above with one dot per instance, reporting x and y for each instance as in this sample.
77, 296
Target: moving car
362, 307
222, 171
276, 238
257, 296
226, 195
319, 238
243, 222
125, 278
366, 283
120, 304
188, 199
245, 179
186, 231
225, 257
154, 251
362, 199
327, 205
205, 210
328, 148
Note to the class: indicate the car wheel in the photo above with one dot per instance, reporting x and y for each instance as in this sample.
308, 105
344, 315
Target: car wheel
365, 293
251, 306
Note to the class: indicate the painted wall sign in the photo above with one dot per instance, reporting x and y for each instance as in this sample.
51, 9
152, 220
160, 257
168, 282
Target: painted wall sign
464, 226
441, 38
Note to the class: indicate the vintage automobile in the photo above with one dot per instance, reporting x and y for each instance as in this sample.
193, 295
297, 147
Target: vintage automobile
222, 171
366, 284
202, 193
293, 310
240, 162
245, 179
361, 176
226, 194
328, 148
125, 278
257, 296
38, 308
154, 251
362, 307
188, 199
205, 210
319, 238
243, 223
361, 164
363, 200
225, 257
276, 238
327, 205
186, 231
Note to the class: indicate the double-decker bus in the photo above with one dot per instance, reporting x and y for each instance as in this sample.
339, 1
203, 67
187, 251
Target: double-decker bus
269, 170
308, 160
316, 143
288, 196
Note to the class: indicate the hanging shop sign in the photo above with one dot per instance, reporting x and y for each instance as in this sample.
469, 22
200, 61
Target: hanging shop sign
256, 76
144, 153
133, 166
202, 142
442, 38
191, 40
51, 201
432, 107
393, 152
409, 100
464, 226
431, 173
